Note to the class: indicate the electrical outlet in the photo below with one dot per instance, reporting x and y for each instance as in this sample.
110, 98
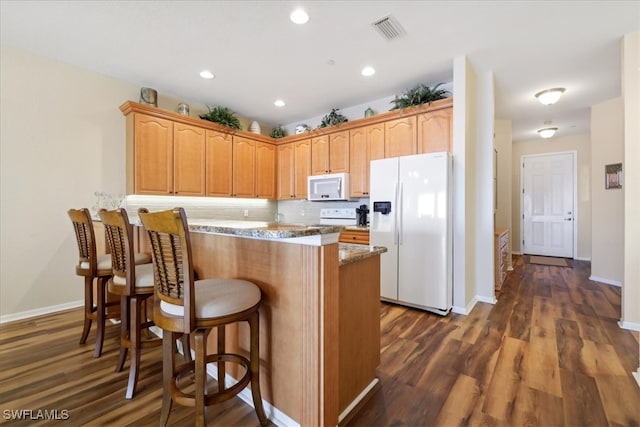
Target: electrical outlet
246, 213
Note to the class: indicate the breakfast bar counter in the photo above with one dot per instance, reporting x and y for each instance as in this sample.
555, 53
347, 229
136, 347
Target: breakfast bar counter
319, 318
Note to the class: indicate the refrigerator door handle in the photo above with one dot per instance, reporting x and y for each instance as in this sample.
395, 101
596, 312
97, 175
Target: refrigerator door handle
400, 215
395, 215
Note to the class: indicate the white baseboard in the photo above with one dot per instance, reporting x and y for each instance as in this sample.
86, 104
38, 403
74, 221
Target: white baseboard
582, 259
636, 375
40, 311
629, 325
465, 310
605, 281
488, 300
358, 399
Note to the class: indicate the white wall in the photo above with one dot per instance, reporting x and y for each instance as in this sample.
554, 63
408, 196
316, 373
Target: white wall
62, 140
607, 244
581, 145
631, 191
503, 144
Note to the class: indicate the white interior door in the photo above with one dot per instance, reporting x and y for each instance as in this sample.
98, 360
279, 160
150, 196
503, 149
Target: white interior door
548, 204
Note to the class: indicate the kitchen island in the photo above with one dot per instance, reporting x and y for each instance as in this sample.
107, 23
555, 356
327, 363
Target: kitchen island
319, 318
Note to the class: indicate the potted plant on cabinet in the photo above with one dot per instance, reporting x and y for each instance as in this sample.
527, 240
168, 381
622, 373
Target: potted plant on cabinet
223, 116
420, 94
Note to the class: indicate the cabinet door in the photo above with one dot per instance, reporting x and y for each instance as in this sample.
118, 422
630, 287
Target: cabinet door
286, 169
189, 160
320, 155
358, 161
302, 164
219, 164
375, 142
400, 137
244, 167
153, 152
339, 152
435, 131
265, 170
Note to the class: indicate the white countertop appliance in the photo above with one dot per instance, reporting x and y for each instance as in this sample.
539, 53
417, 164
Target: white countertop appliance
338, 216
411, 217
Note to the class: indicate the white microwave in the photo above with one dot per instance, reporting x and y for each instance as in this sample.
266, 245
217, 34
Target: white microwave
333, 186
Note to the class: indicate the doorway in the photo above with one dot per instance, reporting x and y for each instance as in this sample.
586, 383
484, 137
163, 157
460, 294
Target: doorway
548, 204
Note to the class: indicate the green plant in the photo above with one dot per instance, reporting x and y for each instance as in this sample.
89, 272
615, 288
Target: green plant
420, 94
277, 132
332, 119
223, 116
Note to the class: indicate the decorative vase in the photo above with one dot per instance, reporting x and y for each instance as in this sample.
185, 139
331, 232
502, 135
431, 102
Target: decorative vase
368, 112
183, 109
149, 96
254, 127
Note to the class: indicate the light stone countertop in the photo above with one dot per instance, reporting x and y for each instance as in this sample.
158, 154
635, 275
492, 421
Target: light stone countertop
349, 252
260, 229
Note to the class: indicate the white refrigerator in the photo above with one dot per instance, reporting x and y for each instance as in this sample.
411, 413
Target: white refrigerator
411, 210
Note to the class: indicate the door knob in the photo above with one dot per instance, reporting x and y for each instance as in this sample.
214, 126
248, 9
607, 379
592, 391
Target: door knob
567, 219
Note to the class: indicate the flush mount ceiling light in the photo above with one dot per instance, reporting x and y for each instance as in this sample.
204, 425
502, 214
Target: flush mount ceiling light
368, 71
547, 132
279, 103
206, 74
299, 17
550, 96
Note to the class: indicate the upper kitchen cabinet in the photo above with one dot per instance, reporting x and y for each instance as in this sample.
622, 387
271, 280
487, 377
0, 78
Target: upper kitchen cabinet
435, 131
265, 170
244, 167
294, 165
188, 160
151, 140
330, 153
365, 144
286, 170
219, 167
400, 137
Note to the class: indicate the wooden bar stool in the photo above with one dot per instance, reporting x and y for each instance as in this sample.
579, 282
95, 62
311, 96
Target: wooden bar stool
184, 305
93, 268
134, 286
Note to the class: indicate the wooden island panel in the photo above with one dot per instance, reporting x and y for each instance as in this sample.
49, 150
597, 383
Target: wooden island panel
299, 362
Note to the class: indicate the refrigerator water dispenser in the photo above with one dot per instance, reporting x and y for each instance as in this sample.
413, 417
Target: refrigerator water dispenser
383, 207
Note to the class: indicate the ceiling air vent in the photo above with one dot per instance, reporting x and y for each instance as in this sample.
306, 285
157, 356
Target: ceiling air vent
389, 27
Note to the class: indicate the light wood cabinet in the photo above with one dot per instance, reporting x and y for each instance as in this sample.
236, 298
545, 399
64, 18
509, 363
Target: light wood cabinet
400, 137
153, 148
188, 160
265, 170
501, 254
360, 237
219, 164
294, 165
435, 131
330, 153
286, 171
244, 167
365, 144
302, 164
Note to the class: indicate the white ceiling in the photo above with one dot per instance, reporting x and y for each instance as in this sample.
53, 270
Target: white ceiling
258, 55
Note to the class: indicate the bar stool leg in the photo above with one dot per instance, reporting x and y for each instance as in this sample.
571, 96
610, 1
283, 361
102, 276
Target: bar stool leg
254, 366
88, 308
135, 305
200, 341
100, 315
168, 371
125, 318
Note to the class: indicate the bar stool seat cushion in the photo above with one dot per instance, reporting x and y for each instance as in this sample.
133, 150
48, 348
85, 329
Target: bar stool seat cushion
144, 277
218, 297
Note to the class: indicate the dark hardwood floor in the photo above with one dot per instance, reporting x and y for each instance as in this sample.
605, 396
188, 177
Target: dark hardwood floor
549, 353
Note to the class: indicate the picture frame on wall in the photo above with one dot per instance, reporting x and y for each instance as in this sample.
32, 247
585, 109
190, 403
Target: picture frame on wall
613, 176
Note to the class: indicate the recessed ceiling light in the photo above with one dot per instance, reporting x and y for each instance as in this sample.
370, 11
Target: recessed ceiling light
279, 103
550, 96
547, 132
299, 16
206, 74
368, 71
